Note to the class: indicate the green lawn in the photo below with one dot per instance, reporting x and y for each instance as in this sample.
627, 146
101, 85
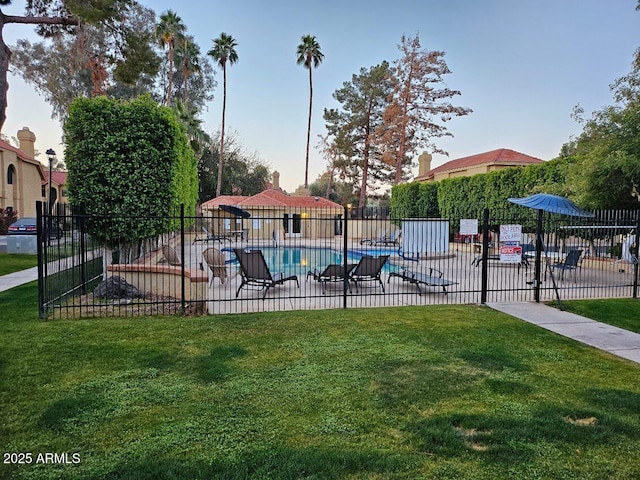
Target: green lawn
623, 313
445, 392
15, 263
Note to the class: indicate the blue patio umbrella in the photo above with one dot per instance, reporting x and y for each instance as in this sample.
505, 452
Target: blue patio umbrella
551, 203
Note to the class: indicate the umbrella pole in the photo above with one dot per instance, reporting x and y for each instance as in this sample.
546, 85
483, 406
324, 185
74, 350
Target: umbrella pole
548, 262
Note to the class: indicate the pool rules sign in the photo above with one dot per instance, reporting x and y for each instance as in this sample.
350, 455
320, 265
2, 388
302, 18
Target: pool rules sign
510, 248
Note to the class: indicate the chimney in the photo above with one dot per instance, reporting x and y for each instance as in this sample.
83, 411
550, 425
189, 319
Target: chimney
424, 164
27, 140
276, 180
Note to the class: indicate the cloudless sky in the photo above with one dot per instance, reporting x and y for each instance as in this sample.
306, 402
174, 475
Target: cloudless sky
521, 65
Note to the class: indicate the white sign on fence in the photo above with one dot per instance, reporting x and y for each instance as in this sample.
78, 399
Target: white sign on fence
469, 226
510, 233
510, 249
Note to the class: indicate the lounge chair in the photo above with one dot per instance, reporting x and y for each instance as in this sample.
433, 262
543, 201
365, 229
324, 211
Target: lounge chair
210, 237
368, 269
255, 271
333, 273
571, 262
393, 239
433, 279
384, 239
170, 255
216, 262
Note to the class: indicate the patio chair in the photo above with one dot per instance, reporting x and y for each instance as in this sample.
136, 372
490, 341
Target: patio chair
368, 269
255, 272
333, 273
210, 237
216, 262
571, 262
393, 239
433, 279
370, 241
170, 255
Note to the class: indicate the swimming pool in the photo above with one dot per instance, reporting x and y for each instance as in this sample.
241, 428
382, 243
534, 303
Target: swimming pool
300, 260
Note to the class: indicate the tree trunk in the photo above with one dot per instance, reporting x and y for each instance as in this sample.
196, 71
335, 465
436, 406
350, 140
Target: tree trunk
306, 164
224, 109
365, 161
170, 86
5, 53
5, 56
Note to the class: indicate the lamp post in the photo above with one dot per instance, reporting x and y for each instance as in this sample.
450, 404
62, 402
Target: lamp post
51, 155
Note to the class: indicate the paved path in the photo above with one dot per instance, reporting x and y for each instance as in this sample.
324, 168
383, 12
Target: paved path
614, 340
18, 278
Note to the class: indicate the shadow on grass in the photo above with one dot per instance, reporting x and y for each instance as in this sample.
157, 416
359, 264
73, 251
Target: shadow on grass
416, 382
67, 412
216, 366
507, 438
493, 358
279, 463
616, 400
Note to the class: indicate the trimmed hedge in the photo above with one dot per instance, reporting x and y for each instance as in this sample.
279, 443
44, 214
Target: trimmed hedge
126, 158
467, 197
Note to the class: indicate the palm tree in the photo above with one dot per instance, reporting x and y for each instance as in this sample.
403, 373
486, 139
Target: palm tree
188, 57
309, 53
187, 115
169, 30
224, 49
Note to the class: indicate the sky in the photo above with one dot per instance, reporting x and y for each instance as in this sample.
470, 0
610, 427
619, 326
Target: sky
520, 65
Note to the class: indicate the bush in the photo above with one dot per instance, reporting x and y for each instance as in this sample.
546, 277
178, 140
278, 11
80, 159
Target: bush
7, 217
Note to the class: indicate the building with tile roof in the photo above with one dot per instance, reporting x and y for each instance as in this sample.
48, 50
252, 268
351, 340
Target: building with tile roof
21, 175
472, 165
275, 213
59, 185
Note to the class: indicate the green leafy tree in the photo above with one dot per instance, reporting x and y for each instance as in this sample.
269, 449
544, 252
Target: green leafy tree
223, 51
309, 55
353, 126
128, 158
606, 172
169, 31
418, 100
243, 173
56, 17
68, 66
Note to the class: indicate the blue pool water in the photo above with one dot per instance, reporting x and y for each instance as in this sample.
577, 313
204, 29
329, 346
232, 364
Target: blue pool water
300, 260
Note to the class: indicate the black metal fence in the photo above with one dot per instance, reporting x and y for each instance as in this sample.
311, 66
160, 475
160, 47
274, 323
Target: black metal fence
319, 258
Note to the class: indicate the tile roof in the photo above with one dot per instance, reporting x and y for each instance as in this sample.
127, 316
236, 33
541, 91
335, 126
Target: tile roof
6, 146
224, 200
272, 198
58, 177
502, 156
23, 156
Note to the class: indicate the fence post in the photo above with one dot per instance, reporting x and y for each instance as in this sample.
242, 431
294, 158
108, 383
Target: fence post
485, 257
636, 266
345, 246
183, 306
41, 312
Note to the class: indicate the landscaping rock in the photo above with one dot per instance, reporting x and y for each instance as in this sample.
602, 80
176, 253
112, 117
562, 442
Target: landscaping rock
117, 287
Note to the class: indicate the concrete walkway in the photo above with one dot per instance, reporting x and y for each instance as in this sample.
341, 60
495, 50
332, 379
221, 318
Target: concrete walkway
18, 278
614, 340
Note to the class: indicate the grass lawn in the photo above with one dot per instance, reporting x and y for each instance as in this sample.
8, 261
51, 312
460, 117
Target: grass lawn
15, 263
445, 392
623, 313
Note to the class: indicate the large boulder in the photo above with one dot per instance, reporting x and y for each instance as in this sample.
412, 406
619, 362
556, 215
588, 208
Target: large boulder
116, 287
